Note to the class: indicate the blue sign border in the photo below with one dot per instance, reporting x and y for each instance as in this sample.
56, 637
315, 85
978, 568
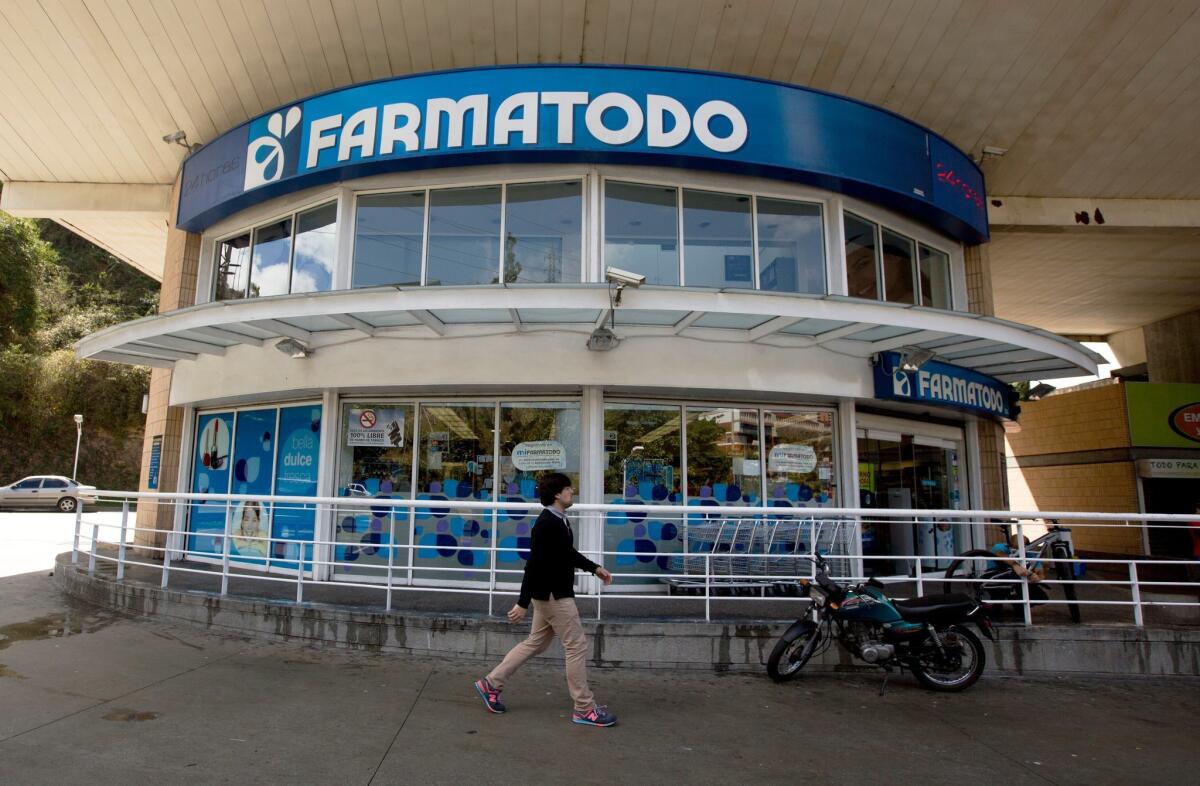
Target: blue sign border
794, 133
942, 385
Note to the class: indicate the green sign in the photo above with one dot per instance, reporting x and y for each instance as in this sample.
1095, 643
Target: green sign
1163, 415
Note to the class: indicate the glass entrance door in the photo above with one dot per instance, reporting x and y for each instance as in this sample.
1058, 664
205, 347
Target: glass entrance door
910, 472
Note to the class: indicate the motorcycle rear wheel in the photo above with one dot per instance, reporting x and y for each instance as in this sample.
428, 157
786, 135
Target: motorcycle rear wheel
789, 657
959, 679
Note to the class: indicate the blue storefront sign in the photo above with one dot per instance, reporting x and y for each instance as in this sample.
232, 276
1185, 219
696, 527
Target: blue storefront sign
942, 385
531, 114
155, 463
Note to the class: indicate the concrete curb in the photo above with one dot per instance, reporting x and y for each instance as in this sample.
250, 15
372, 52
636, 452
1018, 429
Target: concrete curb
738, 647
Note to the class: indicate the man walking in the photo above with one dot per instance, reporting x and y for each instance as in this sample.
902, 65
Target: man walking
549, 584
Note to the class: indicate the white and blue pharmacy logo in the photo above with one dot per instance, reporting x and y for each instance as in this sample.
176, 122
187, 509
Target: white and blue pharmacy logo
273, 155
901, 384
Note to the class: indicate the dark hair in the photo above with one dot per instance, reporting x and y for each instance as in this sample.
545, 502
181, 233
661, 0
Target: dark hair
550, 485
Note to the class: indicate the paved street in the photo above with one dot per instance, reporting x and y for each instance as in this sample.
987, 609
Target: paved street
91, 697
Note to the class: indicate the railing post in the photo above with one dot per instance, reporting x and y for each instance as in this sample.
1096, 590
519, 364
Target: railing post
391, 554
300, 569
121, 545
78, 526
166, 554
495, 536
920, 578
95, 543
600, 582
225, 552
708, 587
1137, 595
1028, 611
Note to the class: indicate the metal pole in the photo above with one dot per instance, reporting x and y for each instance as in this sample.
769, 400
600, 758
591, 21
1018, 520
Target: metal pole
391, 555
225, 553
708, 587
1137, 595
920, 578
78, 525
78, 438
95, 540
300, 569
121, 545
166, 555
1025, 581
495, 519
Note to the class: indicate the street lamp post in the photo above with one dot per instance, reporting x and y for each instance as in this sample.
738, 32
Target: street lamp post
78, 437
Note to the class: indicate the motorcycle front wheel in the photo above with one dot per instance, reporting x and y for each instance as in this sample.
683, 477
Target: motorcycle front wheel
958, 669
789, 657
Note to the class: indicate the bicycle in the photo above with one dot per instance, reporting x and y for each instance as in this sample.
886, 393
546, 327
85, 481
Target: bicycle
995, 580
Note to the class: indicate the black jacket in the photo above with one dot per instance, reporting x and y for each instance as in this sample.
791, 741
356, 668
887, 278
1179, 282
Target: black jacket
552, 561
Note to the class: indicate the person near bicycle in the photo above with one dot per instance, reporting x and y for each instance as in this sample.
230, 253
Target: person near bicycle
1006, 553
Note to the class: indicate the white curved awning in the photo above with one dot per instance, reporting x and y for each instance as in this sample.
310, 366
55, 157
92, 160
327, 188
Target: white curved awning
860, 328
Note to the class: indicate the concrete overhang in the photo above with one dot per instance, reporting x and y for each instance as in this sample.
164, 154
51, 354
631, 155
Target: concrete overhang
856, 328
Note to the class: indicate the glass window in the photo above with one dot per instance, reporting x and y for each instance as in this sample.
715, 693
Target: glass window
641, 231
210, 475
723, 466
860, 258
464, 236
543, 233
253, 473
791, 247
54, 483
799, 448
641, 443
389, 231
935, 278
270, 268
296, 463
898, 259
718, 248
455, 461
316, 248
375, 460
29, 483
233, 267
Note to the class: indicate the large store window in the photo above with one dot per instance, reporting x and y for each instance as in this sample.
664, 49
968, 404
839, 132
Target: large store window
452, 236
882, 264
907, 471
454, 446
543, 233
791, 247
721, 466
718, 245
641, 231
273, 451
293, 254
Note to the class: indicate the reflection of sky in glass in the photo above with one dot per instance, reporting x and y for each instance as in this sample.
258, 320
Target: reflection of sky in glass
790, 247
269, 274
717, 247
641, 231
543, 232
233, 268
860, 258
464, 236
316, 245
388, 233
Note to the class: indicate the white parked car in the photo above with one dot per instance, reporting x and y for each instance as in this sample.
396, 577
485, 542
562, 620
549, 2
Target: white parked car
47, 491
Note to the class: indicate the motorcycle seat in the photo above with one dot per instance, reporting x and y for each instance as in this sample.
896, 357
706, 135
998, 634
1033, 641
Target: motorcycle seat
933, 608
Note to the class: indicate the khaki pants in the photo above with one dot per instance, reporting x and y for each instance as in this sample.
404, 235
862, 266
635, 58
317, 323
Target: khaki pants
550, 618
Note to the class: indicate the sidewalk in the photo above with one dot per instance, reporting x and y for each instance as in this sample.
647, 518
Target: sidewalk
91, 697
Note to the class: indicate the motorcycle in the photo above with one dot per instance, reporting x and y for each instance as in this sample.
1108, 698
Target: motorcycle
928, 636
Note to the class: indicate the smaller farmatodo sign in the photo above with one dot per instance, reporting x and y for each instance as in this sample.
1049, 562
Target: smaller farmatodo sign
791, 457
942, 385
375, 427
546, 454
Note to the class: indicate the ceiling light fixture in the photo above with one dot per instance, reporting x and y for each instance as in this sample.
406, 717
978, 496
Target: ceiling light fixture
293, 348
912, 358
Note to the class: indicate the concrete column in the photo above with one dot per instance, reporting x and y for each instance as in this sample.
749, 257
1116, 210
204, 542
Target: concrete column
992, 462
180, 264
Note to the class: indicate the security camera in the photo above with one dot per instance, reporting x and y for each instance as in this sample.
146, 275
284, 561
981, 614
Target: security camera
615, 275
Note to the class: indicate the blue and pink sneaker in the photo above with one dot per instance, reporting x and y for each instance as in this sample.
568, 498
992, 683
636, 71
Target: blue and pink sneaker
490, 695
596, 716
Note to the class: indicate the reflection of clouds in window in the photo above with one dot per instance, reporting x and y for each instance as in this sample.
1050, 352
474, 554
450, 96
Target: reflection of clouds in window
271, 280
272, 246
316, 246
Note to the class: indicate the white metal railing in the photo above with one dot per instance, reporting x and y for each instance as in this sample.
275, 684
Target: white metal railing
719, 554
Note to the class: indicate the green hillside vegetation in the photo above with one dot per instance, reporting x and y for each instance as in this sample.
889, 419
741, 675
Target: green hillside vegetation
55, 288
